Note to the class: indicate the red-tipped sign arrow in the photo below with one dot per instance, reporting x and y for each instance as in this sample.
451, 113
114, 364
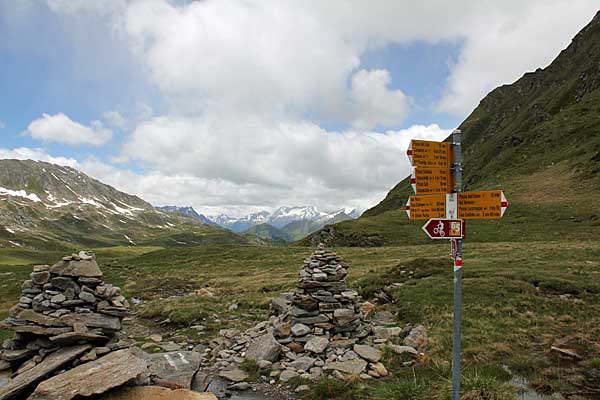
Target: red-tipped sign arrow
439, 228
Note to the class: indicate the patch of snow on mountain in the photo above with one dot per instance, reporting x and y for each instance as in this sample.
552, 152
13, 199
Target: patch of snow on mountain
9, 230
15, 243
129, 239
20, 193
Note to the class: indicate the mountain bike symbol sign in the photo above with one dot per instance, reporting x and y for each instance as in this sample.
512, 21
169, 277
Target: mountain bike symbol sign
439, 228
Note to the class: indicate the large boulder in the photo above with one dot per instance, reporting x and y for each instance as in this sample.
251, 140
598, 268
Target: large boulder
156, 393
176, 367
93, 378
82, 265
55, 361
264, 348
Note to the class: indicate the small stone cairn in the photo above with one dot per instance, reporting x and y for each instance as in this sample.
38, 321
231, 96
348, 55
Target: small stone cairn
62, 306
321, 329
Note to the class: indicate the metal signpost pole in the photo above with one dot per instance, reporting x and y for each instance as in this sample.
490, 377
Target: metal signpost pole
457, 273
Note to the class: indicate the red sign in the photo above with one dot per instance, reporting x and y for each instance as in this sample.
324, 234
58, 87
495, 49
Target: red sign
438, 228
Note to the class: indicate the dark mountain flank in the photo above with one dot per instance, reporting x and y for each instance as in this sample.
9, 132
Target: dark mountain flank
538, 139
47, 206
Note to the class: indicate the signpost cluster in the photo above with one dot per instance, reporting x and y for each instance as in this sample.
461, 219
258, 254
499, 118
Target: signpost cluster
437, 182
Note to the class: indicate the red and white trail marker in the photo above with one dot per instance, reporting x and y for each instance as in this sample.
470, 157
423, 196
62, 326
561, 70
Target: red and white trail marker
441, 228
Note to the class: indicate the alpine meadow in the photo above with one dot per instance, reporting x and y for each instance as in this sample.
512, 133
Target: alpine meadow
205, 200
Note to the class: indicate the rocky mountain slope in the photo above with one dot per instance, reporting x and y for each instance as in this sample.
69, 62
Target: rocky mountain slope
48, 206
538, 139
187, 211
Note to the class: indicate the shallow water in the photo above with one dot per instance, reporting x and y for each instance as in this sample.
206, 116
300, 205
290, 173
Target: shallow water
527, 393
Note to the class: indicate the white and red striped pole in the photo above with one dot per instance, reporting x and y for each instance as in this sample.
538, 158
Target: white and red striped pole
458, 263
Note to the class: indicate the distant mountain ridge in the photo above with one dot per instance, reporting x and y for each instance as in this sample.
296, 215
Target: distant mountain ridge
285, 223
287, 219
48, 206
187, 211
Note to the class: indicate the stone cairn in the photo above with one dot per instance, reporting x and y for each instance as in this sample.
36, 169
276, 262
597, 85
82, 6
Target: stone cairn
321, 329
64, 306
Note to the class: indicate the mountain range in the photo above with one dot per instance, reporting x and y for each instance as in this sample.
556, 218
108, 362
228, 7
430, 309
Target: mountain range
47, 206
285, 223
538, 139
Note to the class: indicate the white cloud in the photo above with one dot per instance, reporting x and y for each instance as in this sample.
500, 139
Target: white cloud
247, 83
374, 103
61, 129
27, 153
500, 48
278, 163
2, 125
114, 119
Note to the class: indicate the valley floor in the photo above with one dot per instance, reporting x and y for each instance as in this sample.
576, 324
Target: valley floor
519, 300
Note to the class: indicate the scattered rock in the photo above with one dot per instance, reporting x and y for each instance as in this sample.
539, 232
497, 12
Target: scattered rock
367, 352
417, 338
264, 348
317, 344
31, 377
176, 367
234, 375
287, 375
156, 393
352, 367
105, 373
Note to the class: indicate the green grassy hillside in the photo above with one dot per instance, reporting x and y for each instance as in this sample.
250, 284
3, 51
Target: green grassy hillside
538, 139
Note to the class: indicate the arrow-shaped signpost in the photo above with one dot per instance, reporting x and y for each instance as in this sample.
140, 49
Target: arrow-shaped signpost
437, 181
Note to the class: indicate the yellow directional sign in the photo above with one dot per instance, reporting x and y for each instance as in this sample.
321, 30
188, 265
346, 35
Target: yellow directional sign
425, 153
482, 205
426, 207
431, 180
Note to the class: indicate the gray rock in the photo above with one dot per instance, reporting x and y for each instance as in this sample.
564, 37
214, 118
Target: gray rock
367, 352
92, 320
352, 367
239, 386
31, 377
92, 378
300, 330
177, 367
403, 349
303, 363
170, 346
63, 283
85, 268
317, 344
58, 298
417, 337
40, 278
87, 297
264, 348
234, 375
287, 375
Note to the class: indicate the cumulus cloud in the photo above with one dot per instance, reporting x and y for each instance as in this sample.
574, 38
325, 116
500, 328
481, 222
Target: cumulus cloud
374, 104
27, 153
248, 84
61, 129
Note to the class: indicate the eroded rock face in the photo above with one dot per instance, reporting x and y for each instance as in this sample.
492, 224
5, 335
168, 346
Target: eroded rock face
101, 375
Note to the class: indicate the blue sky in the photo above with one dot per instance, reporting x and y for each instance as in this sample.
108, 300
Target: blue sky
239, 106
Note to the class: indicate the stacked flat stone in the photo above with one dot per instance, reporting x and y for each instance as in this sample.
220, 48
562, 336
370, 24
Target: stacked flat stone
322, 329
322, 304
65, 305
